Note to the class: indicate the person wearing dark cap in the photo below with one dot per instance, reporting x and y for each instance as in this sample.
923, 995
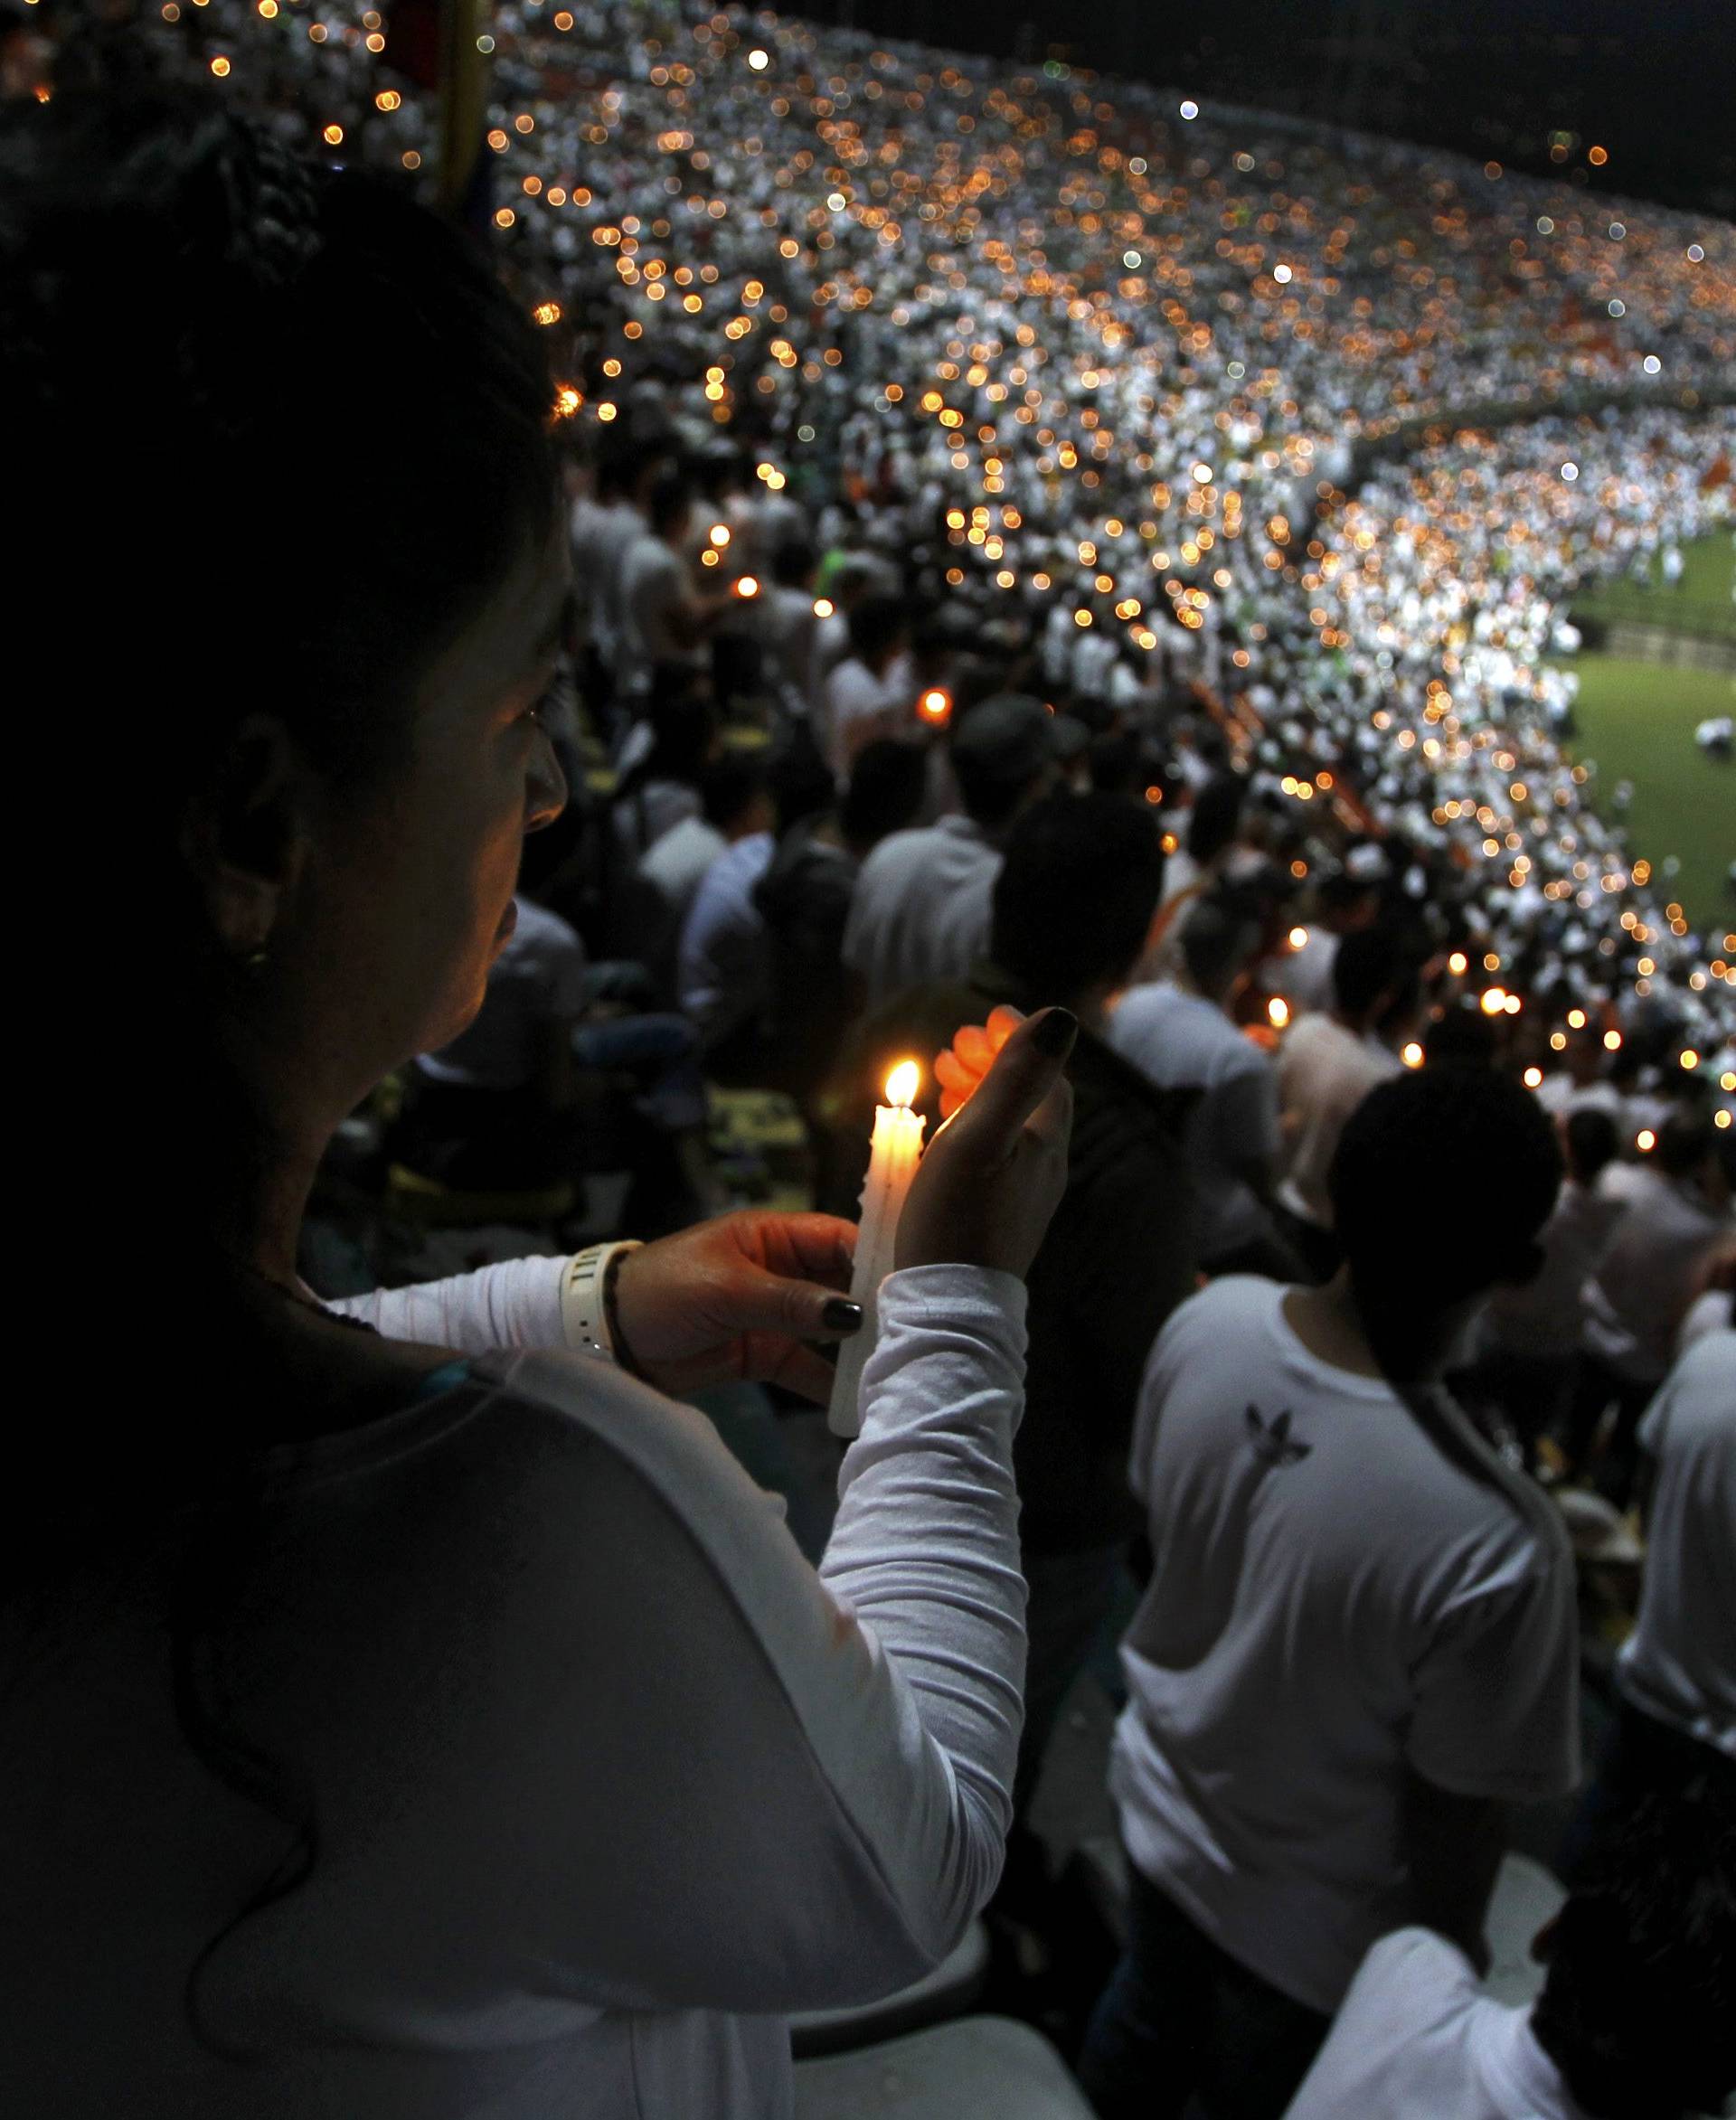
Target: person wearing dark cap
921, 908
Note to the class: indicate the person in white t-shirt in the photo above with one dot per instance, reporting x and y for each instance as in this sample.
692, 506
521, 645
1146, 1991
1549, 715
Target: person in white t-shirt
665, 621
1634, 2021
871, 694
1359, 1637
1327, 1064
1180, 1037
1530, 1336
1678, 1216
923, 901
1675, 1678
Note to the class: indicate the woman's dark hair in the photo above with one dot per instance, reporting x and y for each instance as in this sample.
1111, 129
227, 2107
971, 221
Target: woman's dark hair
284, 433
1076, 893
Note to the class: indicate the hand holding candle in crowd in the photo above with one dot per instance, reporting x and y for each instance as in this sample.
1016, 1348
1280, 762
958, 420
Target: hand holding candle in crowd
891, 1166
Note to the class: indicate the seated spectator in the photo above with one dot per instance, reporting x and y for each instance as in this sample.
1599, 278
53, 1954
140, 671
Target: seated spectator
494, 1109
1214, 821
1358, 1641
1679, 1213
1327, 1064
872, 691
1676, 1674
1634, 2021
1530, 1336
1180, 1036
921, 908
803, 897
723, 970
735, 803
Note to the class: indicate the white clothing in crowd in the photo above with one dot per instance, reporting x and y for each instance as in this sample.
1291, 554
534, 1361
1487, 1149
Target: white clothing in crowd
1679, 1663
861, 706
1417, 2036
538, 977
1303, 976
1643, 1285
1324, 1073
1181, 1040
1546, 1317
1340, 1593
722, 970
922, 907
675, 864
655, 585
606, 1777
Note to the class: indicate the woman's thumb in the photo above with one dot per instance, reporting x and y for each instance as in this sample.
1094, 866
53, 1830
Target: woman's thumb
1025, 1070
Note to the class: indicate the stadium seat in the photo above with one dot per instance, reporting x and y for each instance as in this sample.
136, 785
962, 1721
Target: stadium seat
974, 2069
947, 1991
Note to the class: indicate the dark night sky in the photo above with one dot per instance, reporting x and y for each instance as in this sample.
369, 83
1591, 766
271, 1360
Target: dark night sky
1652, 81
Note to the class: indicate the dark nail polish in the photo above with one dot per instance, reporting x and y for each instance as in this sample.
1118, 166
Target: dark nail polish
840, 1315
1055, 1034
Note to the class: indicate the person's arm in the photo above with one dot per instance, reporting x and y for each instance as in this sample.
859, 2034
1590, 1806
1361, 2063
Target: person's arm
1454, 1845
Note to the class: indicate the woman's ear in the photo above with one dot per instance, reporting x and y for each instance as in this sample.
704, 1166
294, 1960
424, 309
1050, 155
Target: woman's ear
244, 834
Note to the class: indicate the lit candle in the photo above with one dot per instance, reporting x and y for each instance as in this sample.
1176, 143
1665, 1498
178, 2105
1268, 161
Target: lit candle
892, 1165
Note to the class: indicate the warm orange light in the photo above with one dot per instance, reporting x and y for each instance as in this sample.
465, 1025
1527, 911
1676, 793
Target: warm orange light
1494, 1002
1458, 964
1278, 1011
1412, 1055
902, 1082
1612, 1041
1299, 939
1533, 1077
824, 607
935, 706
720, 535
1646, 1141
747, 586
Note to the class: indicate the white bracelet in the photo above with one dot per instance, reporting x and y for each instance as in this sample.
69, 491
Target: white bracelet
584, 1310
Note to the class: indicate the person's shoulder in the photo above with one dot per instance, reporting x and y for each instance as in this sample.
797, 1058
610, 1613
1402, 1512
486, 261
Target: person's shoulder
897, 851
1229, 1302
1702, 1388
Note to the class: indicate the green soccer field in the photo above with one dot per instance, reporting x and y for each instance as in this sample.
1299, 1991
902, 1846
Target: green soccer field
1699, 603
1636, 720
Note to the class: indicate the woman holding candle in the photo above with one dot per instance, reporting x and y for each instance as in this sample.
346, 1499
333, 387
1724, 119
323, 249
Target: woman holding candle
428, 1719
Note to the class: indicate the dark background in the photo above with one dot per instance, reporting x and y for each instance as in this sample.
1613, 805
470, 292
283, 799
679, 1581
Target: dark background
1651, 81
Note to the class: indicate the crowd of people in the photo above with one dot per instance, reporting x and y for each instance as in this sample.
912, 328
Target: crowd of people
975, 592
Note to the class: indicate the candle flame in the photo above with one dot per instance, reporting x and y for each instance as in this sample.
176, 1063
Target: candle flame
901, 1083
1278, 1011
747, 587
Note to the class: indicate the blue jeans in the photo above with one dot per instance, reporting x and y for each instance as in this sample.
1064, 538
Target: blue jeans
1181, 2019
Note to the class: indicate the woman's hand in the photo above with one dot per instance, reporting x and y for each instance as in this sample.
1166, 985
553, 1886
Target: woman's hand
732, 1300
994, 1173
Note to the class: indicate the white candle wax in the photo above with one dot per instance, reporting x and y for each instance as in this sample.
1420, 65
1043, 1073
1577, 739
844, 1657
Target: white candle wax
896, 1150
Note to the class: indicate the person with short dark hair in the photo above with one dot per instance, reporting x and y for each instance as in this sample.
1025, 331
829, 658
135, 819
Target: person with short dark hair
872, 690
1634, 2021
1358, 1641
1530, 1336
665, 621
922, 904
1328, 1063
1179, 1034
1679, 1210
1071, 905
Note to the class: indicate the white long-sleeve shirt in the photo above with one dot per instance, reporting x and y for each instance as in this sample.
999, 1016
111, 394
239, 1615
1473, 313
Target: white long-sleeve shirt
604, 1778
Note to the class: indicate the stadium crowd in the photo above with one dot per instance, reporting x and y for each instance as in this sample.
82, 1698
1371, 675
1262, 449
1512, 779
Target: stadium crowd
1042, 578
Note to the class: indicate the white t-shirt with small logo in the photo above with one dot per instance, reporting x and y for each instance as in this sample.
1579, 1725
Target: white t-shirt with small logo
1345, 1586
